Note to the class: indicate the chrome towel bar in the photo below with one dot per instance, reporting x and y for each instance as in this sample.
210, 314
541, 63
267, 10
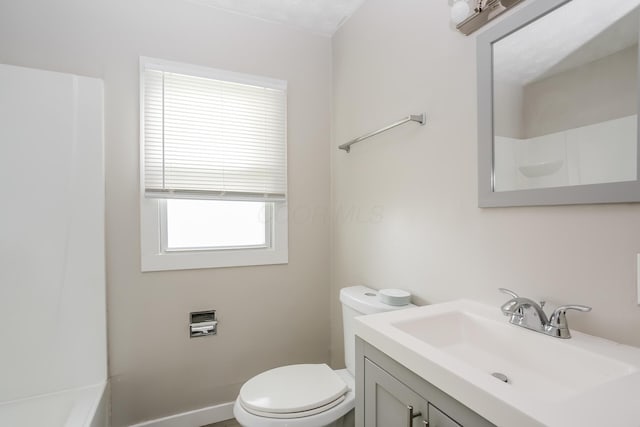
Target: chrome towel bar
420, 118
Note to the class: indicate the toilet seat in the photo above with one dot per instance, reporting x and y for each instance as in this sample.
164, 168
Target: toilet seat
286, 416
293, 391
321, 418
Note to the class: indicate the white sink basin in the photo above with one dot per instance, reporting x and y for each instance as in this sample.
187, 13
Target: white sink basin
545, 367
457, 346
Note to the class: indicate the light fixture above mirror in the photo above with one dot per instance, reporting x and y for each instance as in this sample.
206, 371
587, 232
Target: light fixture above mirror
468, 20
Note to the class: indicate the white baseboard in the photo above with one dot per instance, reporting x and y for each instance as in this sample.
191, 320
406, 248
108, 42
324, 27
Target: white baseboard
197, 418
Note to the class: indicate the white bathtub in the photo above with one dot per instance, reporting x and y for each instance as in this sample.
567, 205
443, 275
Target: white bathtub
80, 407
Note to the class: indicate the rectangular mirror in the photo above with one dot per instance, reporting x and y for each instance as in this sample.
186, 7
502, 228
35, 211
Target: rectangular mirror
558, 105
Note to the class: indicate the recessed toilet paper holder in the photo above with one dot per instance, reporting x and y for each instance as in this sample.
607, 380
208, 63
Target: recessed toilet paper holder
203, 323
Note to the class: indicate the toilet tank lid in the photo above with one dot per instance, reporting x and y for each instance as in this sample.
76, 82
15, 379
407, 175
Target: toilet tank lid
365, 300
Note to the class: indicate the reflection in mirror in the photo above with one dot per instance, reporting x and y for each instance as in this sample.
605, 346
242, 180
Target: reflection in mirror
565, 98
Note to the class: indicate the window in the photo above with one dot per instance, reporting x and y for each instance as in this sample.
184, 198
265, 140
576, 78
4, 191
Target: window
213, 168
214, 224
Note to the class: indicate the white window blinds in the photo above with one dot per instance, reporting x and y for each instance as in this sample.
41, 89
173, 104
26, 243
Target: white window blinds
213, 138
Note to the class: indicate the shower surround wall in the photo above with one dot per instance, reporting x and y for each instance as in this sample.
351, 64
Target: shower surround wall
156, 369
52, 268
393, 58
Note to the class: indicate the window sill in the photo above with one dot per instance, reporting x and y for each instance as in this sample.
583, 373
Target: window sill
212, 259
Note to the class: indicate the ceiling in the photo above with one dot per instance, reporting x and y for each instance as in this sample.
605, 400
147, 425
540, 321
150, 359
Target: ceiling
619, 36
318, 16
579, 32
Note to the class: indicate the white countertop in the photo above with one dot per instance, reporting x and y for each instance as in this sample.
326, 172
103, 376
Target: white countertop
614, 403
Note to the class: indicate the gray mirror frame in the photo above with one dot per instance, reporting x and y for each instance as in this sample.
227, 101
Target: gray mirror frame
618, 192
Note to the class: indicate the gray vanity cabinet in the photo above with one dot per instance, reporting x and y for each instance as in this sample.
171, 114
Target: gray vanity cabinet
390, 395
388, 402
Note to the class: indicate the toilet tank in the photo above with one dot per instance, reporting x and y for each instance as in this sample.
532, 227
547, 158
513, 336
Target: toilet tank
357, 301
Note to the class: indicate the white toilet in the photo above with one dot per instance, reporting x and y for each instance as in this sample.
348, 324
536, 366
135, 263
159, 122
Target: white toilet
310, 395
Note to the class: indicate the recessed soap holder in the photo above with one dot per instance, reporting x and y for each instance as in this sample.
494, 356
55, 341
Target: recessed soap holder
203, 323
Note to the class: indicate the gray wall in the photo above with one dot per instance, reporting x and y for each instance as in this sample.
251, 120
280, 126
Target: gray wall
401, 57
595, 92
269, 315
508, 105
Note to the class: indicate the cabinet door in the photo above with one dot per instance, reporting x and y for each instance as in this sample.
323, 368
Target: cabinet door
437, 418
388, 402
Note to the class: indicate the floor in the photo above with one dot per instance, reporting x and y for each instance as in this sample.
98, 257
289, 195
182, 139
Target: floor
228, 423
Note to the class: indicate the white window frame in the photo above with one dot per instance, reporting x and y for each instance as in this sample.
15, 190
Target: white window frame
154, 253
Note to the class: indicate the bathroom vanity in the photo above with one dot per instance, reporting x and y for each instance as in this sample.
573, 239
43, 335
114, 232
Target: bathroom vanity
461, 363
388, 394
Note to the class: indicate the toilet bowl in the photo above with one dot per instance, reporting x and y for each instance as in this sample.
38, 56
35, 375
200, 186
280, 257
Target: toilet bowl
310, 395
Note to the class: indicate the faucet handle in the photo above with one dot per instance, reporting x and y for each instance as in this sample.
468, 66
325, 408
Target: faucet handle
508, 292
578, 307
558, 320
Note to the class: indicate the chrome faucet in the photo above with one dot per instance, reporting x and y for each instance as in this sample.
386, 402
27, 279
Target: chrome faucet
530, 314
